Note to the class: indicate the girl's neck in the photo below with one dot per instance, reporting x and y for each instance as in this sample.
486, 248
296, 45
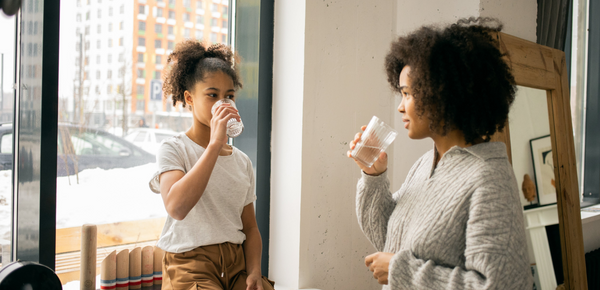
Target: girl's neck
199, 133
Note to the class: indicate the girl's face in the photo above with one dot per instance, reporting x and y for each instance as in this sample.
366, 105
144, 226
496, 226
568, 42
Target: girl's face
418, 127
205, 94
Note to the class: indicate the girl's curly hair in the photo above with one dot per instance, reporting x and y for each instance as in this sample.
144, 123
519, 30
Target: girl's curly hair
459, 79
191, 61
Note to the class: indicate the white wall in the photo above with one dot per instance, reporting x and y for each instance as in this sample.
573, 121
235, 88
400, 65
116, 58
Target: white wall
329, 80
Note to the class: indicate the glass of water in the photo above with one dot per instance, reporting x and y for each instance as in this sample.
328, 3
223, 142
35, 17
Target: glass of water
375, 139
234, 127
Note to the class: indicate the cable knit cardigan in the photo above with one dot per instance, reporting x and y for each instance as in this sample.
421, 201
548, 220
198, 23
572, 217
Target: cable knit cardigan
457, 225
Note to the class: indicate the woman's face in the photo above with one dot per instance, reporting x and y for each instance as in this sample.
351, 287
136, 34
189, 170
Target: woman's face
418, 127
206, 93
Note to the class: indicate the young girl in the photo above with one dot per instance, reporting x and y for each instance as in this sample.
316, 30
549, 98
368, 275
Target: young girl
457, 221
210, 238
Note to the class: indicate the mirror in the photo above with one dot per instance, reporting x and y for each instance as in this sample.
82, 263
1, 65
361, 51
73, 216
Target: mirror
542, 145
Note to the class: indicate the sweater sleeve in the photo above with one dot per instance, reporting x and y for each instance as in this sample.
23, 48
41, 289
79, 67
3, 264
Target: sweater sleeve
374, 205
495, 253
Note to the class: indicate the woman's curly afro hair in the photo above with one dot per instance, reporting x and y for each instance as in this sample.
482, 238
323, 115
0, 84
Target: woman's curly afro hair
459, 79
190, 63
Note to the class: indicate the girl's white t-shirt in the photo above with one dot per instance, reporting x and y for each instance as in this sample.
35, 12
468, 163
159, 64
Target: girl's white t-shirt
216, 218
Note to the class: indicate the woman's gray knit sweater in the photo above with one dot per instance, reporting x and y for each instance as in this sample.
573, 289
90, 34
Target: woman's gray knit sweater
455, 226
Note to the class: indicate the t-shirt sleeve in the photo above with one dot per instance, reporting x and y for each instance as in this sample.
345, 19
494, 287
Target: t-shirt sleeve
251, 195
167, 159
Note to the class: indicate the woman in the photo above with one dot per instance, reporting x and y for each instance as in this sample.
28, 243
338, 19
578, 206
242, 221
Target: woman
211, 240
456, 222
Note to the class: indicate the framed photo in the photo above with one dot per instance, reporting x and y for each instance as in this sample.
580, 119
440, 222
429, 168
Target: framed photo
543, 169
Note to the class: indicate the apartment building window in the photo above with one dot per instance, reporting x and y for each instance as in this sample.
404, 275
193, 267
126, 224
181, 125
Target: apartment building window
213, 22
122, 9
87, 30
121, 57
140, 73
171, 14
78, 18
110, 42
141, 41
110, 26
140, 57
87, 45
110, 11
98, 44
109, 91
109, 58
157, 75
142, 25
186, 32
199, 4
157, 43
158, 59
170, 30
187, 4
199, 19
140, 105
224, 38
121, 41
141, 9
87, 15
99, 29
213, 37
97, 74
171, 3
214, 7
158, 28
186, 17
99, 13
139, 89
121, 25
159, 12
225, 11
170, 45
109, 74
224, 23
199, 34
98, 59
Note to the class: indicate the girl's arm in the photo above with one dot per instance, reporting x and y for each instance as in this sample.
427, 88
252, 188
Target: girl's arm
253, 243
180, 191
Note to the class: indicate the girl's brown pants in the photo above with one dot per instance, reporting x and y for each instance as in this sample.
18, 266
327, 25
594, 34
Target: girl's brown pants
214, 267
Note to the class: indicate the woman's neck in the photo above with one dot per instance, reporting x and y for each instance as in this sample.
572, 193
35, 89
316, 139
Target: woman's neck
444, 143
199, 133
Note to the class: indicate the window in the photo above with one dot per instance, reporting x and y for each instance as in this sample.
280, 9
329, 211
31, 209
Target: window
78, 18
199, 19
213, 37
170, 45
99, 30
199, 4
110, 42
158, 59
171, 3
109, 74
158, 28
142, 25
121, 57
99, 13
187, 4
110, 11
170, 30
171, 14
141, 9
94, 143
122, 9
121, 41
140, 57
141, 41
159, 12
139, 89
109, 58
224, 23
157, 75
87, 30
98, 44
224, 38
214, 7
140, 105
110, 27
186, 32
140, 73
97, 74
121, 25
199, 34
225, 11
158, 43
214, 22
87, 15
98, 58
186, 17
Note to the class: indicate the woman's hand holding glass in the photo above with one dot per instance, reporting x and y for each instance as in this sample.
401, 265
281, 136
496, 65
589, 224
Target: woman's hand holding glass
379, 167
218, 123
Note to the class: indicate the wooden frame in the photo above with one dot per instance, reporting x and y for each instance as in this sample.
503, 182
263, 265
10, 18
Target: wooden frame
540, 67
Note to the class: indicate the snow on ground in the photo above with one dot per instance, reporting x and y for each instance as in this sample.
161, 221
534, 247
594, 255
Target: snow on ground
100, 197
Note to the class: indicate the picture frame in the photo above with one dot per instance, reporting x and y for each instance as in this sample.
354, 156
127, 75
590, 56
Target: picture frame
543, 169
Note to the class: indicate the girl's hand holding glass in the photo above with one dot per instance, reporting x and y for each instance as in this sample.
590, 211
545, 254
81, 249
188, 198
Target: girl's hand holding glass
218, 123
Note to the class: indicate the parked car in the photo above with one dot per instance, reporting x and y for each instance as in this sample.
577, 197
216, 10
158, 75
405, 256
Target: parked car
81, 148
149, 139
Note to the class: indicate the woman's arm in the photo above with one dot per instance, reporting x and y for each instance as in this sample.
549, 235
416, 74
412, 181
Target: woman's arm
252, 245
374, 206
